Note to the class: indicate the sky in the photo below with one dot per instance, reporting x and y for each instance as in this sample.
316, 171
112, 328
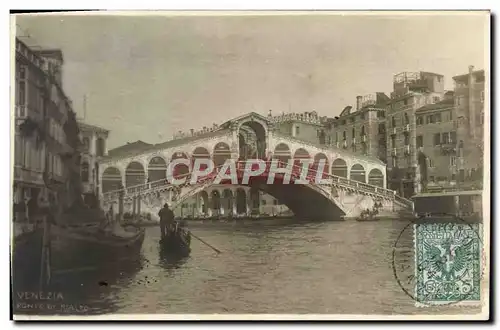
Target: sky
147, 77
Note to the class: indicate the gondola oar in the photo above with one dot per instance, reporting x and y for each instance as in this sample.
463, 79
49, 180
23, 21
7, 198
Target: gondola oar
199, 239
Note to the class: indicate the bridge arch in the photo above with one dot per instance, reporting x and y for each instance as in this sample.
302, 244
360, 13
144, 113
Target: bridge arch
358, 173
339, 168
241, 201
200, 153
111, 179
259, 128
215, 201
282, 152
180, 169
299, 154
317, 159
221, 153
376, 178
134, 174
227, 201
157, 169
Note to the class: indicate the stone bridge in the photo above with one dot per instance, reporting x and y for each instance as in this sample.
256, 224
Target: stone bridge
351, 183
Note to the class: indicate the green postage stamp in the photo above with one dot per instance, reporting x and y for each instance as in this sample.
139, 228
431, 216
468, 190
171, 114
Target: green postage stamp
447, 263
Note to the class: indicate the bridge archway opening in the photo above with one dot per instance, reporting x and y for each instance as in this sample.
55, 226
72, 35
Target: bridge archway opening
376, 178
111, 179
252, 140
282, 153
321, 158
134, 174
157, 169
204, 202
227, 201
222, 152
180, 169
241, 201
300, 154
200, 153
358, 173
216, 202
339, 167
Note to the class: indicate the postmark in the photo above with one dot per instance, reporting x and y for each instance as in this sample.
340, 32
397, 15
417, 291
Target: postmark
439, 263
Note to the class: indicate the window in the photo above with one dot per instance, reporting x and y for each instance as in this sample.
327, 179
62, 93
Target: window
275, 202
363, 131
407, 139
85, 172
446, 138
453, 161
405, 102
353, 147
297, 130
336, 137
407, 119
380, 114
362, 115
453, 177
381, 128
461, 144
459, 100
342, 122
353, 133
393, 121
431, 164
482, 97
263, 202
420, 141
353, 119
435, 99
437, 139
22, 85
430, 119
437, 117
453, 137
420, 120
393, 140
394, 161
344, 135
86, 143
431, 178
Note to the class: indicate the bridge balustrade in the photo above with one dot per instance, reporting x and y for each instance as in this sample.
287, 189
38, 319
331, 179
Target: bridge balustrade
295, 173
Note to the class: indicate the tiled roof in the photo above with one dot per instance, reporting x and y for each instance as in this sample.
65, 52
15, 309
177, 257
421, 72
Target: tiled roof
445, 104
141, 147
85, 126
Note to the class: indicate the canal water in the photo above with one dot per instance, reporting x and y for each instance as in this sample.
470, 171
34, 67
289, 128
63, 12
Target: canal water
341, 267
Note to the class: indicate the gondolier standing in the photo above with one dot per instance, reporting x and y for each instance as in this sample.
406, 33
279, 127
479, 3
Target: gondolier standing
166, 220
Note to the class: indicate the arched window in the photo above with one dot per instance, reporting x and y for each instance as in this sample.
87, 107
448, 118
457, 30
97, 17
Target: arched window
353, 133
407, 119
85, 172
86, 143
344, 135
393, 121
362, 130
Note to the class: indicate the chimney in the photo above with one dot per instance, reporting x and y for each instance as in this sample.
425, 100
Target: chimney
358, 102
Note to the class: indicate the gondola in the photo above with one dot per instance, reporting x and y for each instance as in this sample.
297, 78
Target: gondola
176, 242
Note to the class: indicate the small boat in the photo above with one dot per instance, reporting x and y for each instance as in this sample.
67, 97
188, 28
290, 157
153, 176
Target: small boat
81, 247
176, 242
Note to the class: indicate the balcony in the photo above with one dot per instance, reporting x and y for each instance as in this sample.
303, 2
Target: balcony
448, 149
21, 112
28, 176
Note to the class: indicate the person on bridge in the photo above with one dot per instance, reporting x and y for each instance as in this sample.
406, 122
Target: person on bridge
166, 220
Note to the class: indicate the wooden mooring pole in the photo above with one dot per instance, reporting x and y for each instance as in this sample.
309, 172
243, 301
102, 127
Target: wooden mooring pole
45, 258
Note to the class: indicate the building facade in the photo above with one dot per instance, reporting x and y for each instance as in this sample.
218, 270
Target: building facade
94, 146
46, 135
